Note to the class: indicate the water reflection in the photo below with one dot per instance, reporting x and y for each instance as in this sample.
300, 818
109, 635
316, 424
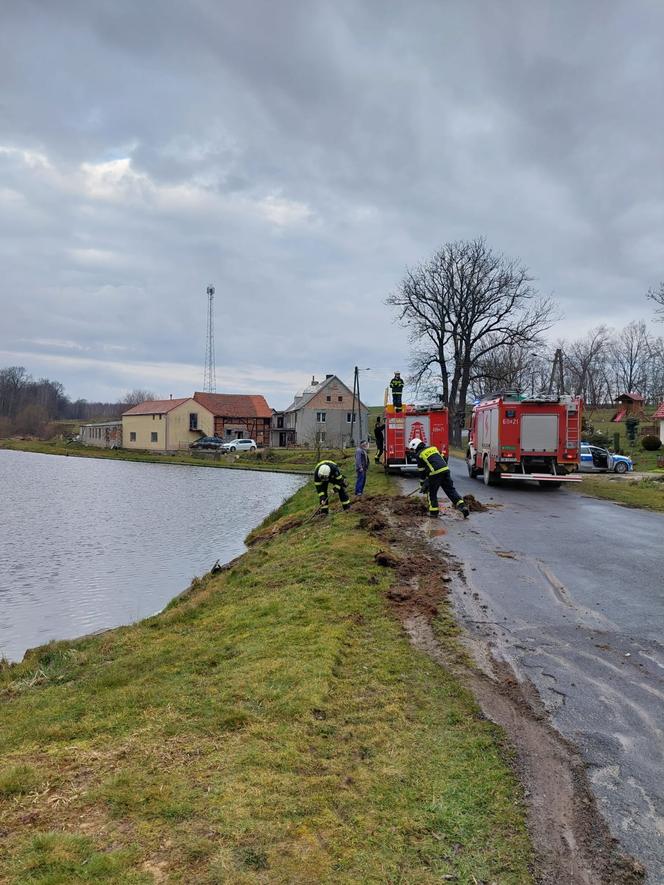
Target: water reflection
87, 544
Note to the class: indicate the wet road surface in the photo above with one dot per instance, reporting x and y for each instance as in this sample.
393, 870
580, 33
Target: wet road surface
570, 591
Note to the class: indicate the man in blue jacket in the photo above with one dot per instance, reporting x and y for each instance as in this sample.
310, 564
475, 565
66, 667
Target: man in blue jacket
361, 466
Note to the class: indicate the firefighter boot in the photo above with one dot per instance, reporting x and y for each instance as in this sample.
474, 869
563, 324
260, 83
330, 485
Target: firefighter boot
461, 505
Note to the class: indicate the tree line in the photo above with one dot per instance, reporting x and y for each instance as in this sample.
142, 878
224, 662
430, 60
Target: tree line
477, 324
29, 406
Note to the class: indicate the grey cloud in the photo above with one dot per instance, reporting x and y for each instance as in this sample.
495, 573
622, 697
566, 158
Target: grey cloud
301, 155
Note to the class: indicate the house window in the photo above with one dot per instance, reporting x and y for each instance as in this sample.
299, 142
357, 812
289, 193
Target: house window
340, 398
329, 399
320, 417
154, 437
349, 417
193, 420
132, 436
321, 436
280, 421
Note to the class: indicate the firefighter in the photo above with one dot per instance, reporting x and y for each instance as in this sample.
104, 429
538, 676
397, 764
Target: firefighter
396, 386
379, 430
327, 473
435, 474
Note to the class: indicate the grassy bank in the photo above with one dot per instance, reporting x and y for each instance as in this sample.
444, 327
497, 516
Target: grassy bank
272, 726
275, 460
644, 493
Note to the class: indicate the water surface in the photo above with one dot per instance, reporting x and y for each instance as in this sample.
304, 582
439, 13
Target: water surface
87, 544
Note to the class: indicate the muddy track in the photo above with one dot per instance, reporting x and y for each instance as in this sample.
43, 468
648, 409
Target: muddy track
571, 839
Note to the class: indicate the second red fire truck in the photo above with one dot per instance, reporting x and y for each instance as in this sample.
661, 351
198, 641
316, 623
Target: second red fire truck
426, 422
513, 437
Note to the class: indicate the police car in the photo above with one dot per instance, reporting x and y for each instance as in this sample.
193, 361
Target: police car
593, 459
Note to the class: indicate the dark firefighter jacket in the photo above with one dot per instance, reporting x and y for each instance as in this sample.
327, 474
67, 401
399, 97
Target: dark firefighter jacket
396, 385
335, 474
431, 463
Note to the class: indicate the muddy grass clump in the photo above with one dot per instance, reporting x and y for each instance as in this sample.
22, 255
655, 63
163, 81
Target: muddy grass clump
474, 505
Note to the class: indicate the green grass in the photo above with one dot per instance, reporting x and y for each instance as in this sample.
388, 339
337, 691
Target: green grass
645, 493
273, 725
297, 460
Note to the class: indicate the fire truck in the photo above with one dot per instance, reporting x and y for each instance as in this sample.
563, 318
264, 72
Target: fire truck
426, 422
516, 437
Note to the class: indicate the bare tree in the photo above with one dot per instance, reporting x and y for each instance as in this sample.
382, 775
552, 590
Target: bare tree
459, 307
657, 295
631, 355
134, 397
585, 362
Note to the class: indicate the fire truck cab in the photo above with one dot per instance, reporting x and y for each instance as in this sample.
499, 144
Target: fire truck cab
516, 437
427, 422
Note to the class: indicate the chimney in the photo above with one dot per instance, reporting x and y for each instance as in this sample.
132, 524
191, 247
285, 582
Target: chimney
329, 376
171, 396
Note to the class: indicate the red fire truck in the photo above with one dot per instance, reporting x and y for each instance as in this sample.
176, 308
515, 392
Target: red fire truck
426, 422
516, 437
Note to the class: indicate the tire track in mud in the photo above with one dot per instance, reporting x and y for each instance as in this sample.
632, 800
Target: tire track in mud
572, 841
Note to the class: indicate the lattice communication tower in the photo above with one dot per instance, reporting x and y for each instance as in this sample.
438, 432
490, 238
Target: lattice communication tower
210, 371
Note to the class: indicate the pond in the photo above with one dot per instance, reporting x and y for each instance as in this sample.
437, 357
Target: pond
87, 544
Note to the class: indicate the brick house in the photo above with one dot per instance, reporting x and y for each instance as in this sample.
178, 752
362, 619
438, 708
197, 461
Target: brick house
237, 416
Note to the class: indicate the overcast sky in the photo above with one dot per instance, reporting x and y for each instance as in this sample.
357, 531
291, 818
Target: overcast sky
300, 155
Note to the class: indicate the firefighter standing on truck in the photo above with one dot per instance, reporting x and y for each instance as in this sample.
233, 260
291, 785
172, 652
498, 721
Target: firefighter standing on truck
435, 474
327, 473
396, 386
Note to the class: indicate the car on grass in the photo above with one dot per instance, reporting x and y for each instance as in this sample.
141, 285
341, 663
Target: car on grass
208, 444
594, 459
239, 445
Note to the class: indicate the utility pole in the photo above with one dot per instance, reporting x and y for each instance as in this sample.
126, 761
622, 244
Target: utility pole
557, 364
210, 371
356, 398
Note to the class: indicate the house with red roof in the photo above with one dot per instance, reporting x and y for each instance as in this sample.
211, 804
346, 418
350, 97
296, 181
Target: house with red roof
237, 416
659, 416
173, 424
165, 425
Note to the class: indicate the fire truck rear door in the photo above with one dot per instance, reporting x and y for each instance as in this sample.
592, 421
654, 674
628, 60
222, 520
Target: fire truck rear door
539, 433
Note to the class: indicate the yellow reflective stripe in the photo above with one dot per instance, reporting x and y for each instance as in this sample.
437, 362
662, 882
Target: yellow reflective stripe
440, 470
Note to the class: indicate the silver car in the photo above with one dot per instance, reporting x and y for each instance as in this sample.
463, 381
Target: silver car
239, 445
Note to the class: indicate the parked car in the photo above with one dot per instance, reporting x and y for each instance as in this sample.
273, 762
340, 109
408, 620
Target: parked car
208, 443
240, 445
596, 460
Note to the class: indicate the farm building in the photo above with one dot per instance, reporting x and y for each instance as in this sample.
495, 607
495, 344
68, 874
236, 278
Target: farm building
165, 425
104, 435
237, 416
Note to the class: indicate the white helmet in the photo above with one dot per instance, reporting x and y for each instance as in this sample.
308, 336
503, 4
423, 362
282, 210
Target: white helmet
414, 444
324, 471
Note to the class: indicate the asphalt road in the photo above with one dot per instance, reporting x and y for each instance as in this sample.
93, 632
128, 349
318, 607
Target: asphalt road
570, 590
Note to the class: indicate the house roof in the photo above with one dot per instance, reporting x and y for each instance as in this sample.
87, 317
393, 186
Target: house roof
660, 412
301, 399
156, 406
635, 397
234, 405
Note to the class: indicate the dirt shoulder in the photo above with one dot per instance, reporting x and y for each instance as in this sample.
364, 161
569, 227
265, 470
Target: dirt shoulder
570, 837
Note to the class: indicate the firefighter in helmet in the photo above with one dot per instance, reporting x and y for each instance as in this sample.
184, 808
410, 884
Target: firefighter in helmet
435, 474
396, 386
327, 473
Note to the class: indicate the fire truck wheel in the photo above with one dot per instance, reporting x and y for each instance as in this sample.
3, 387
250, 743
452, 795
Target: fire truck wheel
472, 472
488, 476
